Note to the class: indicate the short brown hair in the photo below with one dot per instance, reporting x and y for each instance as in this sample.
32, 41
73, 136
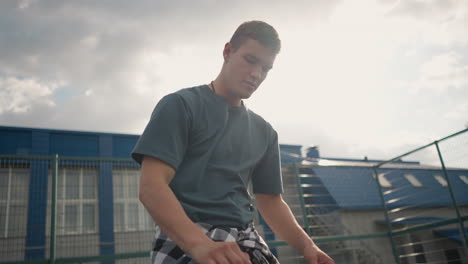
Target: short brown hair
259, 31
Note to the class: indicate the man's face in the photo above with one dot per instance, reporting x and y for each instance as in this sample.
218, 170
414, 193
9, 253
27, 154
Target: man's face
247, 67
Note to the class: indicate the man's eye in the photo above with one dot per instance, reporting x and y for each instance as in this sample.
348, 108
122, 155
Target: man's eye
250, 60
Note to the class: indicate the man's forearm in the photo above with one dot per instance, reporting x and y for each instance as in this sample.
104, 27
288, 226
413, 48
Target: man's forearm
163, 206
171, 218
282, 221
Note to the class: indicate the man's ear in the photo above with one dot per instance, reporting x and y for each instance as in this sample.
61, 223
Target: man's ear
227, 51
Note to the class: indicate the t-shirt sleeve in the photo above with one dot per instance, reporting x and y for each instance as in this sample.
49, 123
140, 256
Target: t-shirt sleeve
266, 176
166, 135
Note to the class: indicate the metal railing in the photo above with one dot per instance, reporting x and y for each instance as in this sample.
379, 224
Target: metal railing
72, 210
445, 164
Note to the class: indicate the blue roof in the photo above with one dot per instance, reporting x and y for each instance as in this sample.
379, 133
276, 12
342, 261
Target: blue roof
355, 188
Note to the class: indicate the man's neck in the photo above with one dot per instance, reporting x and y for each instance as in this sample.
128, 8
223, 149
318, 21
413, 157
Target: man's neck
220, 89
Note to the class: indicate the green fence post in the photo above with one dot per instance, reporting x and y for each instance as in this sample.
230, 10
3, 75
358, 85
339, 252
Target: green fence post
452, 196
387, 218
301, 199
53, 210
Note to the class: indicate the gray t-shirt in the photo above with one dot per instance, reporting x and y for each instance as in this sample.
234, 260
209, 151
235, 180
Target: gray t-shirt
217, 150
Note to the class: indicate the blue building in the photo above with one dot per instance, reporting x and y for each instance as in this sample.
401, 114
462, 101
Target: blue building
342, 197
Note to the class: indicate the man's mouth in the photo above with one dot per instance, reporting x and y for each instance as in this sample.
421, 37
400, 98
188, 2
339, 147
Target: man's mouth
251, 85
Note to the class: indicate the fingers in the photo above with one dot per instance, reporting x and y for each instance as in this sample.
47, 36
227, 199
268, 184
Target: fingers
234, 254
314, 255
246, 258
224, 253
322, 258
325, 259
328, 260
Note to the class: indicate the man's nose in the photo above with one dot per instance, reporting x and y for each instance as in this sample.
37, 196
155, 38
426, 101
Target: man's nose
256, 72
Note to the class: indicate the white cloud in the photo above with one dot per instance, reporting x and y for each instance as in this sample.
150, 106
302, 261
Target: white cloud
440, 74
22, 4
439, 22
121, 57
19, 95
88, 92
330, 85
458, 113
90, 42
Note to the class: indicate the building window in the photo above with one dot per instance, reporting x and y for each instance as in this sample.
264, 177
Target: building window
415, 182
441, 180
76, 200
129, 213
14, 186
464, 179
383, 181
452, 256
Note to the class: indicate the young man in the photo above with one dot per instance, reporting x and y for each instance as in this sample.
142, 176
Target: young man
199, 153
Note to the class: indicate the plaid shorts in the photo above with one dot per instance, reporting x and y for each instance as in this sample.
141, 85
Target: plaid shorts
165, 251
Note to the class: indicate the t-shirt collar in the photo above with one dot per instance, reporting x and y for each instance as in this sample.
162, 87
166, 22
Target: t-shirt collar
220, 98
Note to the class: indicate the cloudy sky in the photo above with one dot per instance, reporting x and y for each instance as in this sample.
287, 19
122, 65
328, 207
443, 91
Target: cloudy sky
357, 78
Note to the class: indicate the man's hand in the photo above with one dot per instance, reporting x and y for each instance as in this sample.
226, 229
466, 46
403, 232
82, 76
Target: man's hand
282, 221
219, 252
314, 255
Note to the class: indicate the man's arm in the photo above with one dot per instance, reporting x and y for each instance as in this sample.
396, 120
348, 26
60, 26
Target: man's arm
168, 213
283, 223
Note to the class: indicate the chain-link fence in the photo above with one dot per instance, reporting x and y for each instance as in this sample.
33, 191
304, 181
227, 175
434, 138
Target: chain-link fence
71, 210
14, 194
426, 204
410, 209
